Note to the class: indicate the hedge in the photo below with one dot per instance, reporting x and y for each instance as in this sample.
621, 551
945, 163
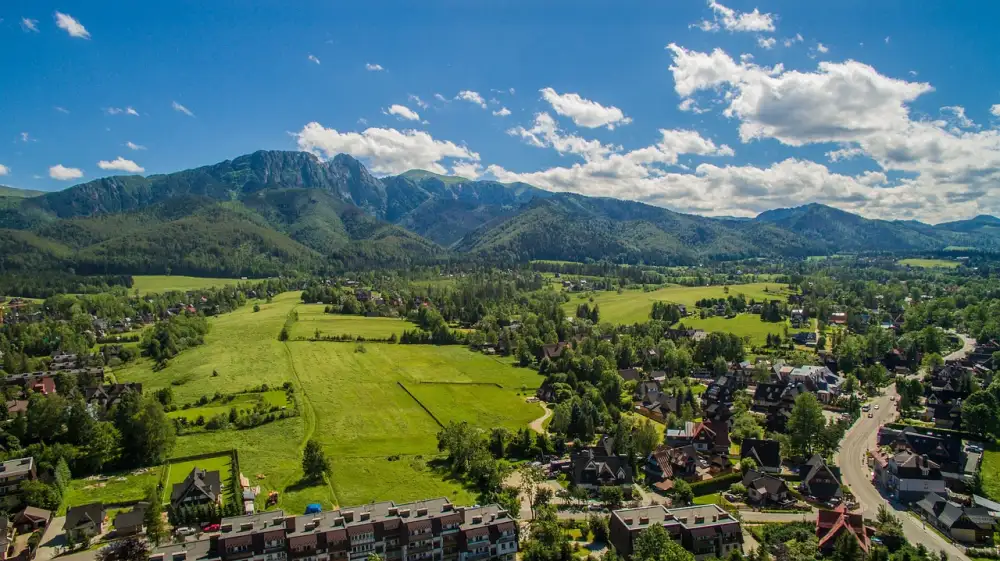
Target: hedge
716, 484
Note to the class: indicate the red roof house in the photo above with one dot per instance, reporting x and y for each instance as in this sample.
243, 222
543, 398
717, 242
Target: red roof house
830, 524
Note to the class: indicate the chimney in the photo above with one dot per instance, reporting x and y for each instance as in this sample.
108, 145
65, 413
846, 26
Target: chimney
393, 511
477, 519
366, 516
643, 520
421, 512
447, 507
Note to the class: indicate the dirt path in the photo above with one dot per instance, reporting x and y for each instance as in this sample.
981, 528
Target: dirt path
538, 425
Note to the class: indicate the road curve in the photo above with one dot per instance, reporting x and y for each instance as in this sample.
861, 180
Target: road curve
855, 472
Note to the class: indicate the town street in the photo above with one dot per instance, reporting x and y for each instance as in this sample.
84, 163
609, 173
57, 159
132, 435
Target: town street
855, 472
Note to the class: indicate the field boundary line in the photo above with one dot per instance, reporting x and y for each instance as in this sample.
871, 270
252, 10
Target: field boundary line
444, 383
422, 406
308, 412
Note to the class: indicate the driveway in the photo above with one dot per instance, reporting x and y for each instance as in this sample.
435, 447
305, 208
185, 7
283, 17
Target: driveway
852, 461
52, 540
968, 345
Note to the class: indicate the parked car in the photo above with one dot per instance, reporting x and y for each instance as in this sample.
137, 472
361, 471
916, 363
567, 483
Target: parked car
876, 406
185, 531
870, 415
212, 528
866, 407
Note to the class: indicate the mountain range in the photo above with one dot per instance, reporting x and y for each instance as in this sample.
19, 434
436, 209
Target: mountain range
273, 211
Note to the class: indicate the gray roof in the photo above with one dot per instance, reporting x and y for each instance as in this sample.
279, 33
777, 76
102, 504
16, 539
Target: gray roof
84, 515
207, 483
19, 466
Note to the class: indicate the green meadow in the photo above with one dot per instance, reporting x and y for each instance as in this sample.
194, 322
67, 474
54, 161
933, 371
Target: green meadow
930, 263
744, 325
312, 318
147, 284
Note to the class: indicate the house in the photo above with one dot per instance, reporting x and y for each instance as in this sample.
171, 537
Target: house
797, 316
722, 441
807, 338
17, 407
706, 531
765, 489
31, 519
46, 385
972, 525
421, 530
198, 488
130, 522
940, 447
908, 477
656, 404
697, 434
554, 351
838, 318
84, 522
767, 454
13, 472
669, 463
831, 524
599, 466
631, 375
108, 395
820, 480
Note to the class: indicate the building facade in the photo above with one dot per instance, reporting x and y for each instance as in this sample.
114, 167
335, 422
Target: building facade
431, 530
704, 530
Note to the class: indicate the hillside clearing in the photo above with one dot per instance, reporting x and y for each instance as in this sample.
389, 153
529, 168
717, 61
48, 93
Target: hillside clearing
743, 325
146, 284
313, 318
930, 263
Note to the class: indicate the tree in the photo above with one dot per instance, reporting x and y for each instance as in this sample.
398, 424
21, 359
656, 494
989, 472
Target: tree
654, 544
747, 464
612, 497
931, 362
646, 439
683, 495
314, 461
156, 530
128, 549
147, 436
40, 494
805, 423
846, 548
531, 476
599, 528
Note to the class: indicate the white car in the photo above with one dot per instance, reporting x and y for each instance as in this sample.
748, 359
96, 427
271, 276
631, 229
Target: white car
876, 406
185, 531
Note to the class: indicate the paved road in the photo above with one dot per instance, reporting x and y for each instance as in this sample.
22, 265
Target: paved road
860, 438
538, 425
968, 345
763, 517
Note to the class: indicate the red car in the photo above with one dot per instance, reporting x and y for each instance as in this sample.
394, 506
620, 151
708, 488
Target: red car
211, 528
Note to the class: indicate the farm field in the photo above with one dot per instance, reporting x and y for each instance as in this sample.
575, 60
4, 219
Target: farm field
930, 263
240, 402
178, 472
312, 317
146, 284
634, 306
382, 443
743, 325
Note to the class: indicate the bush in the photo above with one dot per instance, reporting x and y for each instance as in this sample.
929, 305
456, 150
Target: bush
716, 484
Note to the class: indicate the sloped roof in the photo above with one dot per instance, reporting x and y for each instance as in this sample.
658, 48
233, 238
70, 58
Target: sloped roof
767, 453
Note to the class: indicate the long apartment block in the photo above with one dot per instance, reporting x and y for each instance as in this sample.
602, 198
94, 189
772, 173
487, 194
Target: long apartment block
705, 530
431, 530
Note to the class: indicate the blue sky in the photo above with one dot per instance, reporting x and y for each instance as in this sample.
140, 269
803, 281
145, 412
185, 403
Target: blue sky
883, 108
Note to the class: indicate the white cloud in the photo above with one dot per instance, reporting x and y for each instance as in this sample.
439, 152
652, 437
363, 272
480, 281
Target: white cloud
181, 109
821, 48
913, 72
403, 112
958, 117
30, 25
512, 91
731, 20
63, 173
844, 154
119, 111
471, 97
121, 164
789, 41
440, 98
61, 110
468, 170
995, 110
25, 137
373, 67
67, 23
887, 39
584, 112
766, 42
386, 150
313, 58
4, 170
133, 146
420, 103
546, 134
503, 112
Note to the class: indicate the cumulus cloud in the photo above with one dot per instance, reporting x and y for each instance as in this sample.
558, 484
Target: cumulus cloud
313, 58
70, 25
766, 42
133, 146
502, 112
995, 110
822, 49
404, 112
468, 170
371, 67
386, 150
789, 41
951, 169
732, 20
30, 25
471, 97
63, 173
4, 170
181, 109
121, 164
584, 112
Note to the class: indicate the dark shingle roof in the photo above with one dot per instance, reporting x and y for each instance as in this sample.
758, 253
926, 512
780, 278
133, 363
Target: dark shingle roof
767, 453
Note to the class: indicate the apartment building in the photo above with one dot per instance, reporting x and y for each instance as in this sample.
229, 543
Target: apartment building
13, 472
705, 530
431, 530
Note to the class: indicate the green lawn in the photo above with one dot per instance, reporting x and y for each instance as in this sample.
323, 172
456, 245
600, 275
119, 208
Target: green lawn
146, 284
240, 401
382, 444
743, 325
178, 472
634, 306
710, 499
990, 472
930, 263
312, 317
114, 488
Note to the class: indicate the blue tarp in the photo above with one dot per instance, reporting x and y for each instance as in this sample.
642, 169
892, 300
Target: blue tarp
313, 508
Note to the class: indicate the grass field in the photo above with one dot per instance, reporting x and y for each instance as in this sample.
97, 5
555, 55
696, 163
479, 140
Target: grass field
241, 402
177, 472
990, 472
381, 442
312, 317
930, 263
634, 306
744, 325
146, 284
115, 488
